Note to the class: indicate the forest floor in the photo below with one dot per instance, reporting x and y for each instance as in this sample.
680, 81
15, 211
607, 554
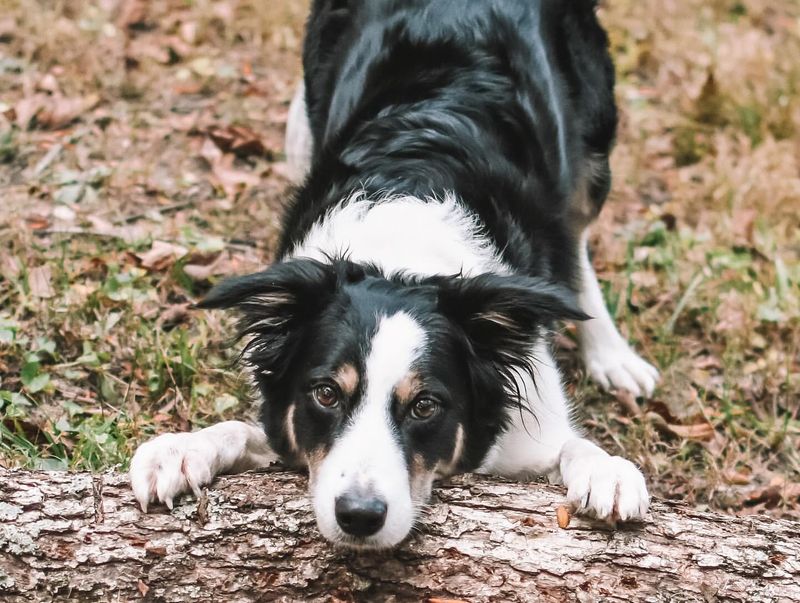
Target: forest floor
141, 160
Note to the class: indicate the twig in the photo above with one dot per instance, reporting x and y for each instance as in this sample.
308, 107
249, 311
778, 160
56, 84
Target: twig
71, 232
160, 210
49, 157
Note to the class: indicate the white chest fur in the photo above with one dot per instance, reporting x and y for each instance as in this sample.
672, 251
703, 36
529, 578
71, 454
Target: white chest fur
404, 234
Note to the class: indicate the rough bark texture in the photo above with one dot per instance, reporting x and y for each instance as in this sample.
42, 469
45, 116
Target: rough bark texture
253, 538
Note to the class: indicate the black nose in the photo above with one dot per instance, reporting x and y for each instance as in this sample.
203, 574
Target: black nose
360, 515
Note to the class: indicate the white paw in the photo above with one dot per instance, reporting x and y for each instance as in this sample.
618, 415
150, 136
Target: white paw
170, 465
619, 367
607, 487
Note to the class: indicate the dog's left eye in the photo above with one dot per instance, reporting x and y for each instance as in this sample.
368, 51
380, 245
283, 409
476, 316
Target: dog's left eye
423, 408
326, 395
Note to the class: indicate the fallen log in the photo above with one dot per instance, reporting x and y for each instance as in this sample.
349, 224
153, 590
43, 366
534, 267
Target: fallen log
252, 537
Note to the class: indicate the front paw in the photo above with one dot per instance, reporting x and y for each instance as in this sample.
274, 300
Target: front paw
619, 367
170, 465
607, 487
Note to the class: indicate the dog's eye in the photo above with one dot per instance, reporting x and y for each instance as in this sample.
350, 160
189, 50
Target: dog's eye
423, 408
326, 395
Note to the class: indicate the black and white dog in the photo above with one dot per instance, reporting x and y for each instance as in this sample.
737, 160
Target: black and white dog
452, 154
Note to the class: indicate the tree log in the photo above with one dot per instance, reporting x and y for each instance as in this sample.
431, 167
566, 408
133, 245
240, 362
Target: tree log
252, 537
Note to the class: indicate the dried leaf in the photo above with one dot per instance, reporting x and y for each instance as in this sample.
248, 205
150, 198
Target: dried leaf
563, 517
238, 140
60, 110
731, 312
161, 255
698, 431
10, 265
40, 282
199, 272
232, 180
27, 108
174, 314
739, 478
132, 13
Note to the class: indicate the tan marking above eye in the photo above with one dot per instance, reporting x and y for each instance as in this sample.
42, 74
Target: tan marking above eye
408, 388
347, 378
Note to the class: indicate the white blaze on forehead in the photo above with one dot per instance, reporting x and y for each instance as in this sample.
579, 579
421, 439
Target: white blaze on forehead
366, 456
395, 347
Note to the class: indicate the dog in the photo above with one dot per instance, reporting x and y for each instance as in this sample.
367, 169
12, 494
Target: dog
450, 157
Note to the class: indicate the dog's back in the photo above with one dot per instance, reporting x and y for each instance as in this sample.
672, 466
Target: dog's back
507, 103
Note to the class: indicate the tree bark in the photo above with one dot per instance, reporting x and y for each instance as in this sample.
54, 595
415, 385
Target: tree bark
252, 537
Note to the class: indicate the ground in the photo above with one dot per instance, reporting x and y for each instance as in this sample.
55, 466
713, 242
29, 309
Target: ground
141, 159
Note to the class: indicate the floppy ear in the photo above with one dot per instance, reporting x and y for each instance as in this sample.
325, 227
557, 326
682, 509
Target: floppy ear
502, 316
275, 304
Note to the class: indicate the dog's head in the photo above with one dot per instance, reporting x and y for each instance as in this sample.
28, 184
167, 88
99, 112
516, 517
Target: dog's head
380, 384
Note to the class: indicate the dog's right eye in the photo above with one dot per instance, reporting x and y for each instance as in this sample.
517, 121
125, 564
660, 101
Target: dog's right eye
326, 396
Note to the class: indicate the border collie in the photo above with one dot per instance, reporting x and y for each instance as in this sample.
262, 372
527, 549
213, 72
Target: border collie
450, 156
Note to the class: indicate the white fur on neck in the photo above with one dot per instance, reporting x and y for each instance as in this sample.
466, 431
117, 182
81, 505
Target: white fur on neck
404, 234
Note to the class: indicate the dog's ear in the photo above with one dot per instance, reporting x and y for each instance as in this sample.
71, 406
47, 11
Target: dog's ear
503, 316
275, 304
287, 290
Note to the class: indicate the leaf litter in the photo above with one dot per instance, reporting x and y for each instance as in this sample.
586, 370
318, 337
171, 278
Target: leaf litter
141, 160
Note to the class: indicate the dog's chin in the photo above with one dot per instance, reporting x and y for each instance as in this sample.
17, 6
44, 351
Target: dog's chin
378, 542
371, 543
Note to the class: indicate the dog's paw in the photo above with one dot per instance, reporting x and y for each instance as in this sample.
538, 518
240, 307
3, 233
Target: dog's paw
170, 465
619, 367
607, 487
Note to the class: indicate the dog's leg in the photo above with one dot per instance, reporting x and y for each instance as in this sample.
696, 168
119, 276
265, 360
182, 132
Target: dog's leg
299, 142
607, 356
174, 463
542, 440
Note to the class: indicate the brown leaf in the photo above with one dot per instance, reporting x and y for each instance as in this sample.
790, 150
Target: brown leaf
731, 312
132, 13
40, 282
232, 180
174, 314
37, 221
8, 27
161, 255
742, 224
698, 431
10, 265
776, 491
27, 108
61, 110
563, 517
238, 140
200, 272
48, 83
739, 478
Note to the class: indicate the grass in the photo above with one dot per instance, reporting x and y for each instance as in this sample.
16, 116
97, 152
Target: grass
119, 210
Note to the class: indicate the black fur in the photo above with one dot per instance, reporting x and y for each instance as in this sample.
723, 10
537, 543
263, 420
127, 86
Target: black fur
509, 105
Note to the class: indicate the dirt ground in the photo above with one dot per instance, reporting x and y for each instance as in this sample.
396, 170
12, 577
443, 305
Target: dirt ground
141, 160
